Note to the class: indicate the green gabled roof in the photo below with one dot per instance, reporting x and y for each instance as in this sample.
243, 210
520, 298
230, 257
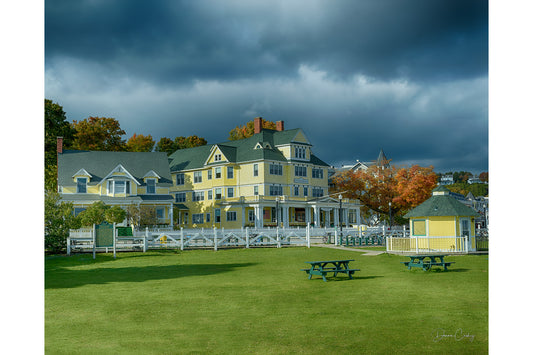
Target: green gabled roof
239, 151
441, 205
100, 163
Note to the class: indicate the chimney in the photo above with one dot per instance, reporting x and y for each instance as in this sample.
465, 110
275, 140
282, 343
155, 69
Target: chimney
258, 124
280, 126
59, 145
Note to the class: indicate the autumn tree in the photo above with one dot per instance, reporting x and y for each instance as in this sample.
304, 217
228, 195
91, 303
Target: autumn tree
140, 143
484, 176
247, 130
376, 187
98, 133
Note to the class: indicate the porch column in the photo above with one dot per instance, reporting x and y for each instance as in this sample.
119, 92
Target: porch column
307, 215
286, 216
358, 216
258, 210
316, 213
336, 217
243, 215
171, 214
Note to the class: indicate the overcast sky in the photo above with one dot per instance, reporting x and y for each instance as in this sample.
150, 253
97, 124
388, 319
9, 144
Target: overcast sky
406, 76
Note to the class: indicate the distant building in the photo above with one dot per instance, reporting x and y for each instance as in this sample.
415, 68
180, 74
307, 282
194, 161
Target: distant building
446, 179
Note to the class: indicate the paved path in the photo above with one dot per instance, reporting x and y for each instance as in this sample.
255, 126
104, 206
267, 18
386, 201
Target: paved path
366, 251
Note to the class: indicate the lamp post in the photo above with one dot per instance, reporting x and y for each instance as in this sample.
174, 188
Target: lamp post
390, 216
277, 211
340, 211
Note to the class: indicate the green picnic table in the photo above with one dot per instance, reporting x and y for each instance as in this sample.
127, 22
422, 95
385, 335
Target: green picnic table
421, 262
321, 268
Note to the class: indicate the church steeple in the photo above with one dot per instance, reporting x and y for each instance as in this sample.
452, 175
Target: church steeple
382, 160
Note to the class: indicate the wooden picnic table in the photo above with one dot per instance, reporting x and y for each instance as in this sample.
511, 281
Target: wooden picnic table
419, 261
321, 268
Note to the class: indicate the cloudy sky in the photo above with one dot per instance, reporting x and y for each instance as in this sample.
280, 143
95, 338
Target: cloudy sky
406, 76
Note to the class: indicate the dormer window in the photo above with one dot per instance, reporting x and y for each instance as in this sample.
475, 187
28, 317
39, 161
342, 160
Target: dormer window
122, 187
81, 186
218, 157
150, 186
299, 152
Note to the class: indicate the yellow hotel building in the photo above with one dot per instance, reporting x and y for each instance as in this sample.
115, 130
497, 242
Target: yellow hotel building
267, 180
270, 179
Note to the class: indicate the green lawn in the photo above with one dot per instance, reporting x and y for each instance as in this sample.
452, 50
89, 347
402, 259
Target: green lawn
249, 301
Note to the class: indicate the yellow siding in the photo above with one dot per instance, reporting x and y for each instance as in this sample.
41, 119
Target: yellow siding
300, 138
441, 226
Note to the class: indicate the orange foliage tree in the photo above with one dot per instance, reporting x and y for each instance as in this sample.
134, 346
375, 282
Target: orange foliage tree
98, 133
247, 130
404, 188
140, 143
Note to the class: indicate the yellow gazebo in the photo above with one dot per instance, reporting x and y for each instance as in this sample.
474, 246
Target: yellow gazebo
442, 223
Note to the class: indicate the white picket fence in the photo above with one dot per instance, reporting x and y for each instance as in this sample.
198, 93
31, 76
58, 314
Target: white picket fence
83, 240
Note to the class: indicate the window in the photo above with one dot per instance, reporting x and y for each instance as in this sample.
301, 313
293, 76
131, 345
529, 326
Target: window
218, 193
318, 192
209, 174
276, 169
81, 185
180, 179
299, 152
276, 190
231, 216
251, 216
207, 217
210, 194
229, 193
217, 215
218, 157
317, 173
296, 190
256, 190
197, 177
150, 186
198, 196
218, 173
160, 211
122, 187
229, 171
198, 218
300, 171
256, 169
419, 227
78, 210
181, 196
306, 191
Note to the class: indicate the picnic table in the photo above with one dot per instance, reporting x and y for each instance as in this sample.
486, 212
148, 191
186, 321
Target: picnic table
321, 268
419, 261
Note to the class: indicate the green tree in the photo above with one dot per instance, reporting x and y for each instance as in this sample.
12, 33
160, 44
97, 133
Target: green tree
115, 214
58, 220
140, 143
98, 133
169, 146
247, 130
55, 125
165, 145
94, 214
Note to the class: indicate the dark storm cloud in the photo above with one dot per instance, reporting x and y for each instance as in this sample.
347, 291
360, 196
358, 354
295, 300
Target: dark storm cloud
407, 76
172, 41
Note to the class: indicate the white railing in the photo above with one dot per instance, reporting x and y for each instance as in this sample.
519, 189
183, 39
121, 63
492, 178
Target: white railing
422, 244
213, 238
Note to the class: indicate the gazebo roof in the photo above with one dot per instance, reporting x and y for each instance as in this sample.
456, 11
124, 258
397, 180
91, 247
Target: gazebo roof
441, 204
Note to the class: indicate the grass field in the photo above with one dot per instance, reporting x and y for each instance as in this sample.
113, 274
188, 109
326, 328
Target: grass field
257, 301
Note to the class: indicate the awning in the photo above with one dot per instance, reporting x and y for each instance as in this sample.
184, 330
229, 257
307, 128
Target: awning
180, 206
